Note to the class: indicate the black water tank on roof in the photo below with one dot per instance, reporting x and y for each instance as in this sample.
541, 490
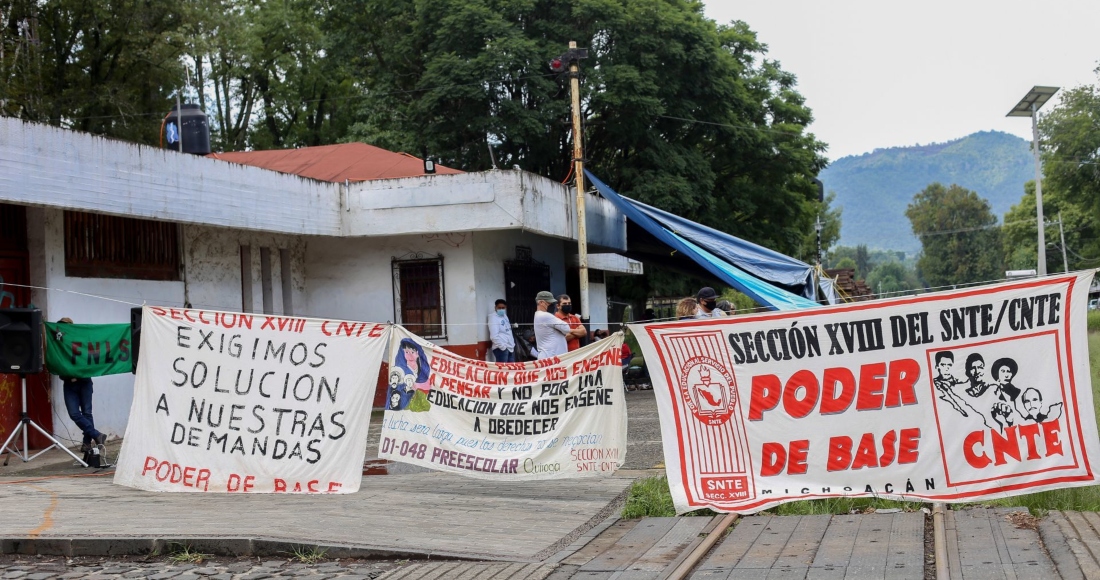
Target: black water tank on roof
196, 130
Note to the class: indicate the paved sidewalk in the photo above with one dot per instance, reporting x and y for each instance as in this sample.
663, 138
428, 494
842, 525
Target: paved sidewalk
414, 515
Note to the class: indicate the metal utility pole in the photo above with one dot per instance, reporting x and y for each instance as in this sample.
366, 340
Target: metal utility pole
578, 168
179, 120
1042, 242
572, 57
1029, 107
1062, 234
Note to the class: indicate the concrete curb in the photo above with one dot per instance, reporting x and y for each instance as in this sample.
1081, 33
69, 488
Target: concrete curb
222, 546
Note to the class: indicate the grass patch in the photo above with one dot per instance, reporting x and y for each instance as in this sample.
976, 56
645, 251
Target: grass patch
310, 555
650, 498
1094, 320
842, 505
184, 554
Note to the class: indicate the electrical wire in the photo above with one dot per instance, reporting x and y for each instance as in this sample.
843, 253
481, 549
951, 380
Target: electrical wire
69, 292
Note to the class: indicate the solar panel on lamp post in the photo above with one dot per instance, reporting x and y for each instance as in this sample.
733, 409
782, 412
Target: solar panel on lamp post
1029, 107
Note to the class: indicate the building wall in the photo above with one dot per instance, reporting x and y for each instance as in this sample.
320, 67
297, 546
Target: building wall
352, 278
597, 295
477, 202
212, 268
53, 167
492, 249
113, 394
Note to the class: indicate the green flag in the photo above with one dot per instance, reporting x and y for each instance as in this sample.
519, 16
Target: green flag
88, 350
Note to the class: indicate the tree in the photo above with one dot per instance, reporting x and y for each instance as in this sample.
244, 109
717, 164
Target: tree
891, 279
681, 113
960, 243
1071, 147
266, 76
1020, 234
1071, 180
108, 67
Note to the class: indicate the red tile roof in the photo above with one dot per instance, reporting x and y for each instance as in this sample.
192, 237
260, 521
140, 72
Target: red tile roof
335, 163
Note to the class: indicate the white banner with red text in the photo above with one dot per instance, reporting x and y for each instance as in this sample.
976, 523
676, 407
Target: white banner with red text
250, 403
554, 418
952, 396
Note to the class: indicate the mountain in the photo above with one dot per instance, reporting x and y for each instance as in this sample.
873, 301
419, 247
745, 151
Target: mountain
875, 188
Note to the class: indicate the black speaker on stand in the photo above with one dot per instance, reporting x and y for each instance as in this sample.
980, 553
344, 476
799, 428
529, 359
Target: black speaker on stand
21, 354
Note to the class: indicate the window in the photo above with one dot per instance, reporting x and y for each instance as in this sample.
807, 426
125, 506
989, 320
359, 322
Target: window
418, 295
102, 246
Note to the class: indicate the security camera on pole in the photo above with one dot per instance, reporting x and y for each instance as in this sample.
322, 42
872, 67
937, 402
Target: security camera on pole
572, 58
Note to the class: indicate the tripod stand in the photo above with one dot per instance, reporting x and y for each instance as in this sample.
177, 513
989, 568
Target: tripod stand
24, 421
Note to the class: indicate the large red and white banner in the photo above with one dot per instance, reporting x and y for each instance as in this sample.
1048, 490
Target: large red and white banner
952, 396
250, 403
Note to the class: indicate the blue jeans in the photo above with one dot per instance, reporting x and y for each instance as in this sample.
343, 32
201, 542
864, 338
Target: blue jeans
78, 401
504, 355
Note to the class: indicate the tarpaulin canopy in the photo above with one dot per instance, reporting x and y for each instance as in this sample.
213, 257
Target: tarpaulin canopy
776, 281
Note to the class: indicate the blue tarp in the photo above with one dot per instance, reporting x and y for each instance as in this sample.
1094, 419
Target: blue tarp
754, 270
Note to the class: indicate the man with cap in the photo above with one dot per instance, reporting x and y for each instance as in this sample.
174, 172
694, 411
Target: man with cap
551, 333
708, 304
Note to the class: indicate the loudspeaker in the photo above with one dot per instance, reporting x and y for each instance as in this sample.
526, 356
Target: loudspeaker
20, 341
135, 336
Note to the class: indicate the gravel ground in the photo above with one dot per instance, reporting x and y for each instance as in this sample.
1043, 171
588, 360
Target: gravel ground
643, 449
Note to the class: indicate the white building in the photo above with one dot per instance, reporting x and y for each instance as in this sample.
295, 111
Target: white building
137, 224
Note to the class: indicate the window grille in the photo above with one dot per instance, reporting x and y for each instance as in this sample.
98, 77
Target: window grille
418, 302
102, 246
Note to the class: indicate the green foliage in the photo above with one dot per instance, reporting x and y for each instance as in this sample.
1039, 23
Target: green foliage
959, 243
266, 76
1082, 231
741, 302
842, 505
890, 279
847, 263
109, 67
1071, 148
1094, 326
452, 80
649, 497
309, 555
874, 188
185, 554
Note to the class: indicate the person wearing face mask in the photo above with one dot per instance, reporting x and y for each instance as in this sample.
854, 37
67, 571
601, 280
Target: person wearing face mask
708, 304
565, 313
500, 333
551, 333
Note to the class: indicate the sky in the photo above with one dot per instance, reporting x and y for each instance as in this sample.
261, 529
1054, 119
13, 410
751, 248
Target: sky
885, 74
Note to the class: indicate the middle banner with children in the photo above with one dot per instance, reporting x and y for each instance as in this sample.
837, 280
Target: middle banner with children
554, 418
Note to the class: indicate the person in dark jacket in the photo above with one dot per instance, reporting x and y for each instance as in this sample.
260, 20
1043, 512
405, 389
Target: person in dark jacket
78, 402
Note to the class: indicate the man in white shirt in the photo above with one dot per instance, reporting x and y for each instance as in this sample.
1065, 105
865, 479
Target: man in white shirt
500, 333
708, 304
551, 332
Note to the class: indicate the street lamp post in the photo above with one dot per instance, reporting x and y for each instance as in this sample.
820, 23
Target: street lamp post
1029, 107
